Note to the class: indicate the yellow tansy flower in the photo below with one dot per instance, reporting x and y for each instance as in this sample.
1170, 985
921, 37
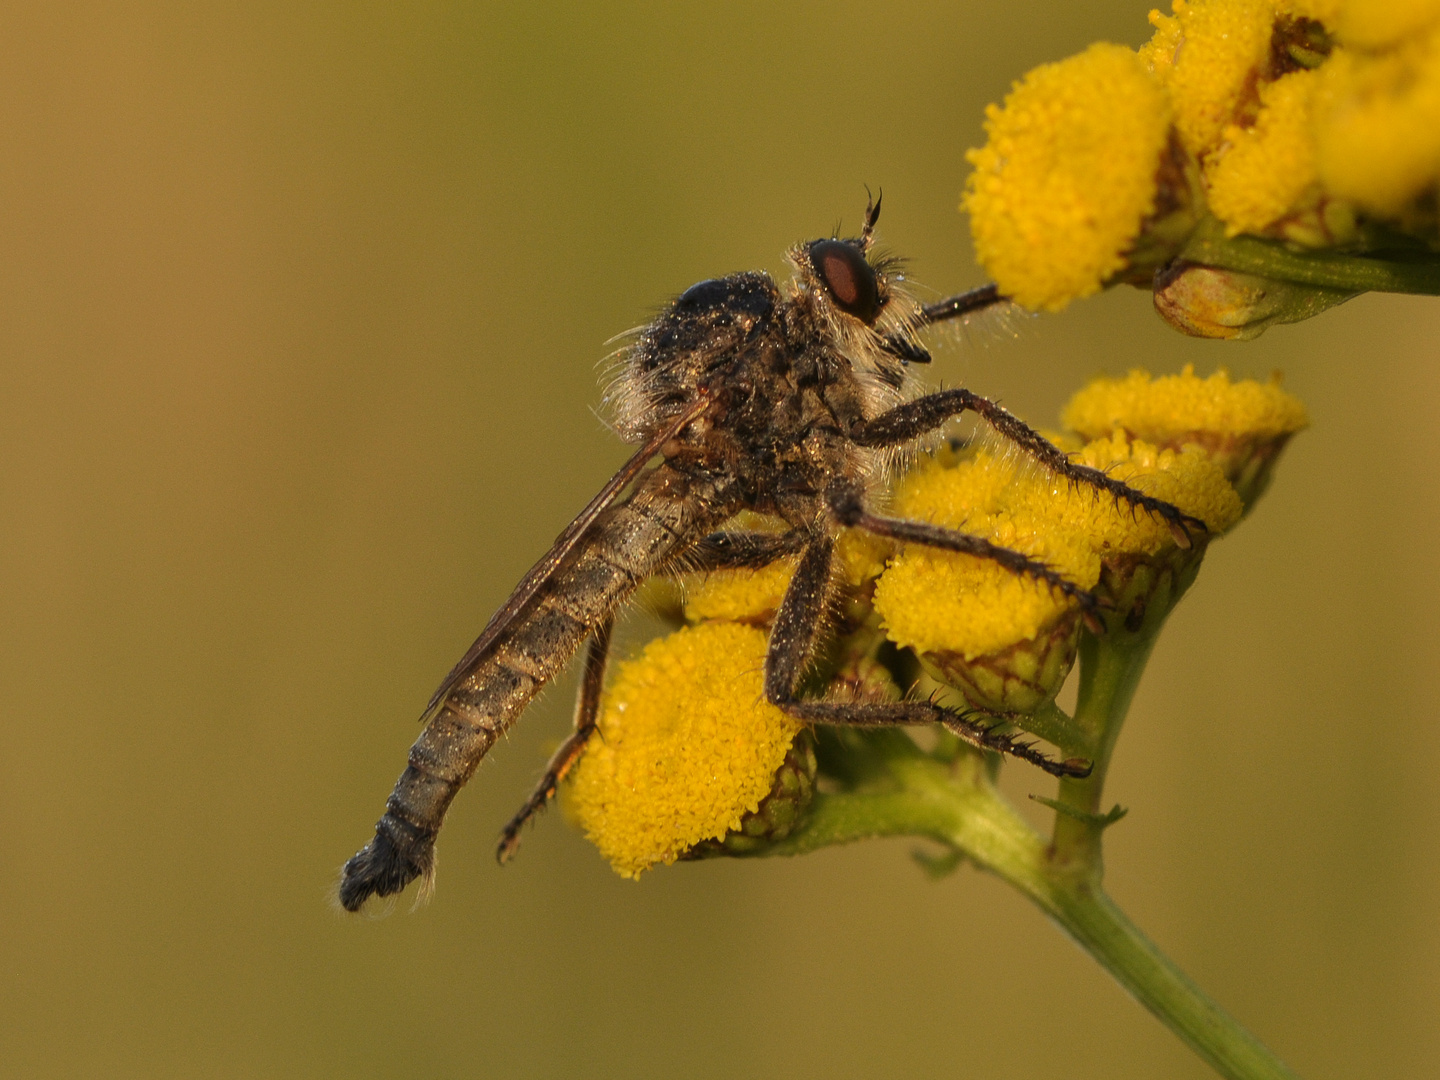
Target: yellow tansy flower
1208, 54
1004, 640
1377, 124
686, 747
1160, 52
1263, 172
936, 601
941, 601
1068, 175
1175, 409
1373, 24
1188, 478
1242, 426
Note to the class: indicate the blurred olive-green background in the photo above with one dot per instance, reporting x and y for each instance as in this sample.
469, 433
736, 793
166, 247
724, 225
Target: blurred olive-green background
300, 310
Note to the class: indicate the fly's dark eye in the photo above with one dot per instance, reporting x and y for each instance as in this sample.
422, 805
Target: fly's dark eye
848, 278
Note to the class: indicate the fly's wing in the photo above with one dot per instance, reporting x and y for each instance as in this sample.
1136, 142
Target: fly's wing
565, 543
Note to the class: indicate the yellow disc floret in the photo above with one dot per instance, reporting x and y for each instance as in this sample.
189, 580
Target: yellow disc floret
1175, 409
687, 745
1068, 175
1208, 54
1373, 24
1377, 124
1267, 170
1242, 426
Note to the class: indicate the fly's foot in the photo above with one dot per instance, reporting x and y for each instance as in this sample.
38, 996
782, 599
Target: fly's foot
985, 733
510, 835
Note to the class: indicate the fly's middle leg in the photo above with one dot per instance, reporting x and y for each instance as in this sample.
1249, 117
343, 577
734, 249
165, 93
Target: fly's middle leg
587, 711
745, 550
848, 506
792, 642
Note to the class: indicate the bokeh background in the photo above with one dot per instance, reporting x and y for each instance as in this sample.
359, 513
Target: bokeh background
300, 307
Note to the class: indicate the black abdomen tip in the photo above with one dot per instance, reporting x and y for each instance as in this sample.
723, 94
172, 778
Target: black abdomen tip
397, 855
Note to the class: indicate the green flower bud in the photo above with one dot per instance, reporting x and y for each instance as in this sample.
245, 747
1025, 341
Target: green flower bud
1203, 301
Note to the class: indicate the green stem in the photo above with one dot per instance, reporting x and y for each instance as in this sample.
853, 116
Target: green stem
904, 792
1110, 671
1325, 269
1111, 666
1101, 928
1051, 724
959, 808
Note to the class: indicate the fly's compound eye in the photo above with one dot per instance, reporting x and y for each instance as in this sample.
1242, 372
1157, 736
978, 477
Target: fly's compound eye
848, 278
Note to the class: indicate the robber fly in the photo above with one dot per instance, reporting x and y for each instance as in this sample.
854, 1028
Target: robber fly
794, 402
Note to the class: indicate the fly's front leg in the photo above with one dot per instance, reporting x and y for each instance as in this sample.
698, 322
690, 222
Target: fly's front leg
966, 303
792, 643
587, 711
913, 419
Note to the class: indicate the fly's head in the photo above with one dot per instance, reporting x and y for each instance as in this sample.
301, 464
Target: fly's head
738, 337
855, 296
687, 349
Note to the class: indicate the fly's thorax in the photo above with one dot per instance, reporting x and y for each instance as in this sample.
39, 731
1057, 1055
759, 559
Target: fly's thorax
699, 335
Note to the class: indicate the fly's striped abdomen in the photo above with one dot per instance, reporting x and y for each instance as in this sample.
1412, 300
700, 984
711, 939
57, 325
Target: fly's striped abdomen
632, 540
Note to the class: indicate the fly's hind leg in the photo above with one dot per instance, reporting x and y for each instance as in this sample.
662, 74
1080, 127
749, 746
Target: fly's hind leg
848, 506
792, 643
907, 422
587, 711
746, 550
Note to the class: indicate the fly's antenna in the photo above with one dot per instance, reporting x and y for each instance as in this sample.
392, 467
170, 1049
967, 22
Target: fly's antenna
872, 215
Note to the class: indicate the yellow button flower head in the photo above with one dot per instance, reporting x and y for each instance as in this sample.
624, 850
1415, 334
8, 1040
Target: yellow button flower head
1144, 573
686, 747
751, 596
1007, 641
1242, 426
1265, 171
1373, 24
780, 811
1208, 54
1068, 176
938, 602
1188, 477
1377, 124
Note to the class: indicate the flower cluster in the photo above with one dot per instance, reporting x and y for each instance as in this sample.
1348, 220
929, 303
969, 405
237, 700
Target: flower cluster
1309, 123
690, 760
1004, 641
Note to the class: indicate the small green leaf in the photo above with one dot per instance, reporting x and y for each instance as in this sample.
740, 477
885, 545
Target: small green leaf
1100, 821
938, 867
